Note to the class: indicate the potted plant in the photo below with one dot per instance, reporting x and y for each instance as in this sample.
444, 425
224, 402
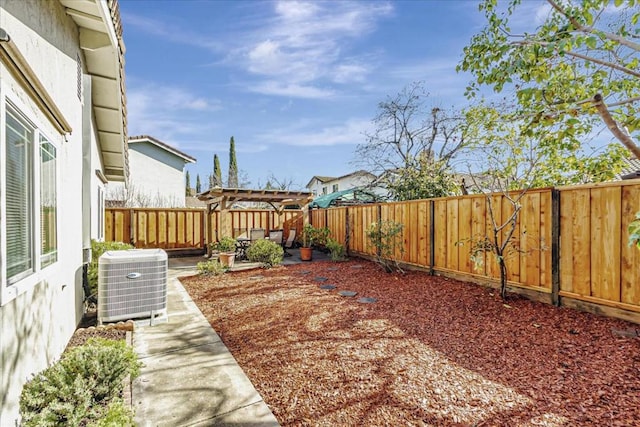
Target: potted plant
308, 234
227, 251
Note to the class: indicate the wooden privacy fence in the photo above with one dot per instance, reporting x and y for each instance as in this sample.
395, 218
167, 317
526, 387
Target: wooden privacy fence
572, 241
189, 228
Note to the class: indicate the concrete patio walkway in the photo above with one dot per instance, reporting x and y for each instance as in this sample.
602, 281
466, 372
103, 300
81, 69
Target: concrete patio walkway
189, 377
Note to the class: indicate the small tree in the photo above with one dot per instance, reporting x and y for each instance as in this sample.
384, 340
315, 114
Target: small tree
187, 191
386, 238
198, 185
233, 165
510, 166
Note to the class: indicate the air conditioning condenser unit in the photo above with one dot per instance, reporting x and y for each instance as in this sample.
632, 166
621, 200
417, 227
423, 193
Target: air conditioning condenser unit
132, 284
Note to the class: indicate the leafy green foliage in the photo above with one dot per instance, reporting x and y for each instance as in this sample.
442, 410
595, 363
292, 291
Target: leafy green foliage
313, 236
116, 414
558, 68
386, 237
422, 179
266, 252
518, 160
634, 231
413, 145
97, 249
211, 267
198, 184
336, 249
79, 386
226, 244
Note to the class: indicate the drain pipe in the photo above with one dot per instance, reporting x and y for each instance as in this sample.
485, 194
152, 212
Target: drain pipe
86, 177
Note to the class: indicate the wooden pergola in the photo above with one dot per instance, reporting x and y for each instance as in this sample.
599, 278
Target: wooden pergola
223, 199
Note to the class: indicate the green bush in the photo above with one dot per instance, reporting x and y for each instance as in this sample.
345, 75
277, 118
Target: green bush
117, 414
265, 251
386, 238
226, 244
336, 249
97, 249
80, 386
213, 267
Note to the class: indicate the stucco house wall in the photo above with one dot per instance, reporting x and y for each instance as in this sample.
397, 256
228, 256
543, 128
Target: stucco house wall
326, 185
40, 308
157, 175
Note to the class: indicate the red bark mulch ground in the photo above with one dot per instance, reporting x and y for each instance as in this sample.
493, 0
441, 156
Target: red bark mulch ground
430, 351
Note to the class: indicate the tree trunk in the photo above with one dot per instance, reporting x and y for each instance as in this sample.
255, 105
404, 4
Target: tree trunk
503, 278
622, 136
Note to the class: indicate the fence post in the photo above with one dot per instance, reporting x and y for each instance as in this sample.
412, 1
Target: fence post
378, 248
432, 236
326, 217
132, 227
555, 247
347, 230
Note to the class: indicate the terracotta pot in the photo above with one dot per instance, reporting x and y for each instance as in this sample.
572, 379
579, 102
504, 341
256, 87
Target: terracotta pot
227, 258
306, 254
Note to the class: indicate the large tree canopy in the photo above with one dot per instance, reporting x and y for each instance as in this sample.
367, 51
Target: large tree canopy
412, 146
580, 67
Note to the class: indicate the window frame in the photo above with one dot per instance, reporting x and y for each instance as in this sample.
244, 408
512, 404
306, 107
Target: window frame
23, 282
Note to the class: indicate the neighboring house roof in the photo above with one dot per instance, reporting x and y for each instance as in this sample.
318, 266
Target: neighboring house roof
321, 179
145, 138
329, 179
100, 35
631, 170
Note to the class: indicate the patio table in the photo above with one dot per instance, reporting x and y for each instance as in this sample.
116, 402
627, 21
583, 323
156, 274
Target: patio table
242, 243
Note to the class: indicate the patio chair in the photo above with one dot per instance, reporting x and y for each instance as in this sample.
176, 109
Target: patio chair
256, 234
276, 236
289, 243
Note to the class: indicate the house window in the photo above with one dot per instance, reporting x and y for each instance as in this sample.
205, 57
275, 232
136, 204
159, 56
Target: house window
31, 189
19, 150
324, 190
48, 204
334, 188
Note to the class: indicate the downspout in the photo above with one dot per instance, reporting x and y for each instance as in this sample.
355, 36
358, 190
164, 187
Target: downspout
86, 180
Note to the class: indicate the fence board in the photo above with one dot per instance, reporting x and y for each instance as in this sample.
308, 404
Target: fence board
630, 255
605, 243
464, 234
440, 238
452, 234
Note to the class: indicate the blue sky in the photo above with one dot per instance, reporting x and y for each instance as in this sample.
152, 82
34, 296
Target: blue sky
296, 83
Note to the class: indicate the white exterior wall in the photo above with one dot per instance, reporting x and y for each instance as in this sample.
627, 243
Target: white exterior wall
344, 183
157, 173
39, 314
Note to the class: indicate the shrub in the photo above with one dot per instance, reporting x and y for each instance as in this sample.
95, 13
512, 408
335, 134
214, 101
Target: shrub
117, 414
79, 386
226, 244
336, 249
265, 251
97, 249
386, 237
213, 267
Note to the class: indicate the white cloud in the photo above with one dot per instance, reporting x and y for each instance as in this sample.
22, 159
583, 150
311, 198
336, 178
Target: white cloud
306, 42
350, 132
272, 87
166, 111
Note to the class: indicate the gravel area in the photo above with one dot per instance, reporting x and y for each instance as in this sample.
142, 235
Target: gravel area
424, 351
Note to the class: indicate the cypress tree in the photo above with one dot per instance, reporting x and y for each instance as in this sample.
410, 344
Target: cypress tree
233, 165
198, 185
187, 191
217, 171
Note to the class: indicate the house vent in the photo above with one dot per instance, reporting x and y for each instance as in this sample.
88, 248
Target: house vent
132, 284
